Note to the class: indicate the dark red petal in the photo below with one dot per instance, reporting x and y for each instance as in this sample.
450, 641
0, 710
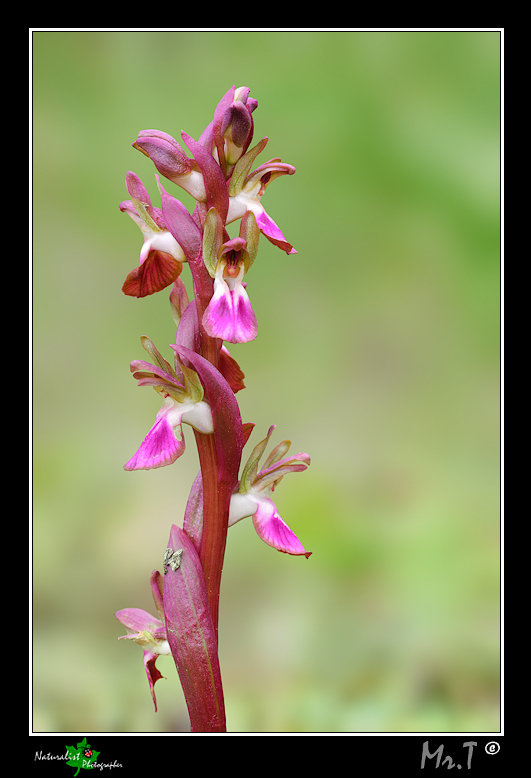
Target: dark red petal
153, 673
156, 273
230, 369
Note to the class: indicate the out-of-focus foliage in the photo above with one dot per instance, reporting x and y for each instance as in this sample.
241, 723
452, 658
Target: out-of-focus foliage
377, 353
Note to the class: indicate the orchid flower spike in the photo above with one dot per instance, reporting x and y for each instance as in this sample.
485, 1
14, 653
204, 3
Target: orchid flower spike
161, 257
229, 314
246, 191
149, 632
183, 402
253, 496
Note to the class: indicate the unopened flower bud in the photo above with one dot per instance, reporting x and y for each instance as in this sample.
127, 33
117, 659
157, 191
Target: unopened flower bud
237, 132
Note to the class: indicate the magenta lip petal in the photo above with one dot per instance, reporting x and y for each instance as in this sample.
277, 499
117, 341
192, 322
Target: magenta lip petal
217, 319
230, 316
160, 447
274, 531
246, 326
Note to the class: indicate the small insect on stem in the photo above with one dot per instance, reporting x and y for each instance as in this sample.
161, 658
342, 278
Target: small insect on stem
172, 559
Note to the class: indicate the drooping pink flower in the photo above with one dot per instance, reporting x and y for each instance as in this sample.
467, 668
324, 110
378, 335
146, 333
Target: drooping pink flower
149, 632
253, 496
246, 191
161, 257
183, 402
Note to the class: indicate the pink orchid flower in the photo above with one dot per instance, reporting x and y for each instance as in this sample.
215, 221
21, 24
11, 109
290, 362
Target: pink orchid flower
183, 402
229, 314
253, 497
170, 160
161, 257
149, 632
246, 191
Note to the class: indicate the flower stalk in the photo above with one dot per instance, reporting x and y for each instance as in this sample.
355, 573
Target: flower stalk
198, 386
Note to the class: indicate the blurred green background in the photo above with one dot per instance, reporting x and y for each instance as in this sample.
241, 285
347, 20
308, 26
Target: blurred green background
378, 354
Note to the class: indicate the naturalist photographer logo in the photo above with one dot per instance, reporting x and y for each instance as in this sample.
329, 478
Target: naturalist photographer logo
81, 757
